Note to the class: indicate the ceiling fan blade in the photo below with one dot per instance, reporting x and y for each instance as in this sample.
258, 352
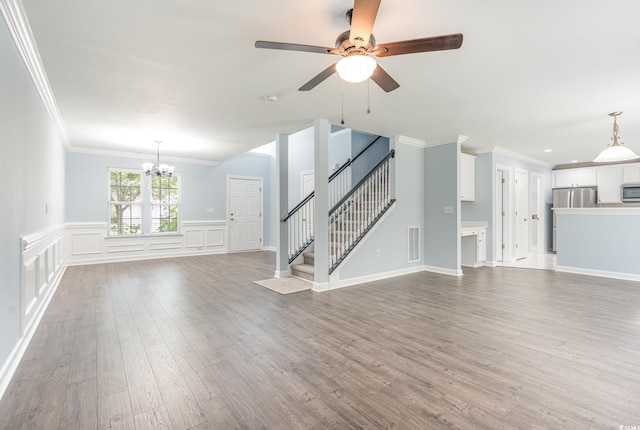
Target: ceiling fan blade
384, 80
427, 44
295, 47
319, 78
362, 19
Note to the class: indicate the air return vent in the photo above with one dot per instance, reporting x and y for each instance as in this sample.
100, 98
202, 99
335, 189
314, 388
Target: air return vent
414, 243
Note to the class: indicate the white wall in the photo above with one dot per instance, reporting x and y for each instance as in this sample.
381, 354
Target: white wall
32, 199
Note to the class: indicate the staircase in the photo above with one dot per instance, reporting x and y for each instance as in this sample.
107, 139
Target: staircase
350, 219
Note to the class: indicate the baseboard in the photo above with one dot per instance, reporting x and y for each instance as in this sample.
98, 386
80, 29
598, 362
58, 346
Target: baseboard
269, 248
600, 273
282, 273
442, 270
341, 283
11, 364
320, 287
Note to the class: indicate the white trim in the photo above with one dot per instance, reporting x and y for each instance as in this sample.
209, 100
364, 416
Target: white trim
320, 287
18, 25
411, 141
339, 132
269, 248
142, 155
375, 277
600, 273
509, 153
442, 270
282, 273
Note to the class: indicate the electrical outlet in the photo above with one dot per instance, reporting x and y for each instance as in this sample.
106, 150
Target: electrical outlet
378, 253
210, 210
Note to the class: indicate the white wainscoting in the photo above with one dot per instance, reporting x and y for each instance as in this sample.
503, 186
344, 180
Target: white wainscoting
43, 263
88, 243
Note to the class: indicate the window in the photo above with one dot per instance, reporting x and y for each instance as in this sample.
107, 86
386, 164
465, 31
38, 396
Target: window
125, 203
165, 203
140, 204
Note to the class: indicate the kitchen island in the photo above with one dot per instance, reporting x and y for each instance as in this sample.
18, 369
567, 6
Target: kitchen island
599, 241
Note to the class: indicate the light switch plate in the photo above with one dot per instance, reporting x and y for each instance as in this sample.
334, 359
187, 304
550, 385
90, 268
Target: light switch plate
210, 210
448, 209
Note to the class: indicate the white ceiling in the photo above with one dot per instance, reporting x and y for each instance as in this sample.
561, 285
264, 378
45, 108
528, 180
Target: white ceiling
531, 75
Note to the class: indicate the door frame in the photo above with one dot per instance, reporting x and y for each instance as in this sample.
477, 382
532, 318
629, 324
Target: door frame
535, 179
228, 201
505, 221
527, 234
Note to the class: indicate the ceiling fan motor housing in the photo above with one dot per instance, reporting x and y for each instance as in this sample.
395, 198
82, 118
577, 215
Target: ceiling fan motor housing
347, 48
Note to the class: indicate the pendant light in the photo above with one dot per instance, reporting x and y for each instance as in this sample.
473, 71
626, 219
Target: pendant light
158, 169
616, 151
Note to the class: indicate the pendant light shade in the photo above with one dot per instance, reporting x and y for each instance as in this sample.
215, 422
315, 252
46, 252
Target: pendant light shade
616, 151
356, 68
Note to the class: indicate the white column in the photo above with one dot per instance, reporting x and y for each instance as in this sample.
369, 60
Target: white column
282, 196
321, 210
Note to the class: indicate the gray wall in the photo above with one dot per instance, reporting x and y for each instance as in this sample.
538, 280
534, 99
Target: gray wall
370, 158
32, 160
202, 186
442, 188
390, 236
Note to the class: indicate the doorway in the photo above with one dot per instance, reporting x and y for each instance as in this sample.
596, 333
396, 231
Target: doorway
521, 214
244, 213
538, 218
502, 213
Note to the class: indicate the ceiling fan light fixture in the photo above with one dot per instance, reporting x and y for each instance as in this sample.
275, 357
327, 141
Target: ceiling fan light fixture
616, 151
356, 68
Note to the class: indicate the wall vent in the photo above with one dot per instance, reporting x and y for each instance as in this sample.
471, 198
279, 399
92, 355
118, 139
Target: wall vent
414, 243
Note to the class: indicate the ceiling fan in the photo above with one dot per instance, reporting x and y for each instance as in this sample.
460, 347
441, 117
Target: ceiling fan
359, 46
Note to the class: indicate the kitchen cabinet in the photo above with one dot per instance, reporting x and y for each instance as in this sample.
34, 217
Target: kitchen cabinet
467, 177
609, 181
574, 177
473, 244
631, 173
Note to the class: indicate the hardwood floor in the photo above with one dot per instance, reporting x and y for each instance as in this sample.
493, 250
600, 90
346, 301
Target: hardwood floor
192, 343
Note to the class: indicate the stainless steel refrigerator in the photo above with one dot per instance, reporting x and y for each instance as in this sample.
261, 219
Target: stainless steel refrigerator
582, 197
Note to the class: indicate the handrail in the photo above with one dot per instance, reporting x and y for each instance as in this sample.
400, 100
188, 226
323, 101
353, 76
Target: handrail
298, 206
391, 154
350, 161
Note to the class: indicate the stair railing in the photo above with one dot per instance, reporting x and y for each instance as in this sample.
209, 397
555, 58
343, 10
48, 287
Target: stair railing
355, 214
299, 220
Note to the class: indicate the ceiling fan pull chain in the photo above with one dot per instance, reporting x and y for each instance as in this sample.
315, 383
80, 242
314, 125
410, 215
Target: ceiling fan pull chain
342, 100
368, 96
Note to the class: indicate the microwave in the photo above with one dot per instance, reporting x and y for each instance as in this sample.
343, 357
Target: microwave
630, 193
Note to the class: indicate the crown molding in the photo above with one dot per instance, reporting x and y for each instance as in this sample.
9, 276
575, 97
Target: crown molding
146, 156
509, 153
16, 18
411, 141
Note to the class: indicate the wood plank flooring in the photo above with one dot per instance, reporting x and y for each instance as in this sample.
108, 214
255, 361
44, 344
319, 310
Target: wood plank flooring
193, 343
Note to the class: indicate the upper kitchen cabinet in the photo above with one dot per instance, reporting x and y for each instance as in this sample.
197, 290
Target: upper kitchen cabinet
574, 178
609, 180
631, 173
467, 177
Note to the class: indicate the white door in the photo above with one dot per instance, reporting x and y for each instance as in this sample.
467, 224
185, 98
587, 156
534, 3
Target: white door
500, 213
522, 214
245, 214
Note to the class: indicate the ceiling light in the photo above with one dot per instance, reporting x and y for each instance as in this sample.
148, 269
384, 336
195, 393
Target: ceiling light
356, 68
158, 169
548, 150
271, 98
616, 151
574, 161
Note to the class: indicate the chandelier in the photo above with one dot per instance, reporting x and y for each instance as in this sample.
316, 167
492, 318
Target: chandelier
616, 151
158, 169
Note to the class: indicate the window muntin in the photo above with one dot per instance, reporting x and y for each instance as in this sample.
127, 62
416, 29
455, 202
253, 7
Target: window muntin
125, 204
165, 203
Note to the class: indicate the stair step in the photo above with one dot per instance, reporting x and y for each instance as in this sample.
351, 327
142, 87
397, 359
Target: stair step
304, 271
309, 258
